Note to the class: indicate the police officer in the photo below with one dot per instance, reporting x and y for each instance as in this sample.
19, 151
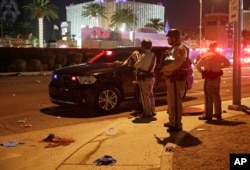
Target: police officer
210, 66
145, 65
175, 88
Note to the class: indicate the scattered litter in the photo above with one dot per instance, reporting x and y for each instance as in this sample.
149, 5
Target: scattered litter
111, 131
22, 121
13, 94
27, 125
55, 141
58, 117
200, 129
170, 149
105, 160
38, 81
11, 143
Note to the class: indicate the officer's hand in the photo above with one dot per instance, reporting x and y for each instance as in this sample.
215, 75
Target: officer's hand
134, 82
165, 72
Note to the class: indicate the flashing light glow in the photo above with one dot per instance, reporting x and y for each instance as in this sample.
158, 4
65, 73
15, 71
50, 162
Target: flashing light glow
247, 50
63, 46
219, 50
109, 53
99, 1
55, 76
73, 78
117, 1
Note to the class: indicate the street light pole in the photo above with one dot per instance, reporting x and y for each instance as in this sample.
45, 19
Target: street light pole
134, 24
200, 24
1, 29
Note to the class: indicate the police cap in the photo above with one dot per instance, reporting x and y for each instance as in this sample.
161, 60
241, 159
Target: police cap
146, 44
174, 33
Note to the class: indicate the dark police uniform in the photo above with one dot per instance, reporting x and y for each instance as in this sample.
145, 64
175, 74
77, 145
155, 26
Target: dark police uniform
175, 88
210, 66
145, 66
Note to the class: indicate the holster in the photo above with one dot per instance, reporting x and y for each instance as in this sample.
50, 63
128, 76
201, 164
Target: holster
142, 75
211, 75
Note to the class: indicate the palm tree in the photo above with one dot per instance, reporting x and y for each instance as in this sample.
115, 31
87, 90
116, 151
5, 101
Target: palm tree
41, 9
123, 16
94, 10
156, 23
23, 28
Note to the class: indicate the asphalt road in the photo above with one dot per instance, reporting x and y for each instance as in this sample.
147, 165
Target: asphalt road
25, 104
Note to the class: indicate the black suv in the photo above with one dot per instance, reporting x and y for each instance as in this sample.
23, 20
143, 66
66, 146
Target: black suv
104, 81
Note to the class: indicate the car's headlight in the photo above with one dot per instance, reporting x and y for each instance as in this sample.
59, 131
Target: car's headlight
86, 79
54, 76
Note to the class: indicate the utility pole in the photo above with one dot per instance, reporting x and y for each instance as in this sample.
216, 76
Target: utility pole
1, 19
134, 24
200, 25
235, 17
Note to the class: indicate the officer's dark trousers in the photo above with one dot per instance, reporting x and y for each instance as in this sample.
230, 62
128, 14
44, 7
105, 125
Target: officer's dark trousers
175, 90
212, 97
147, 95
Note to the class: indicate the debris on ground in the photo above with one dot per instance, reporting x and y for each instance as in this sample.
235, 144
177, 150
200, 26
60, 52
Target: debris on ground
170, 149
11, 143
55, 141
200, 129
22, 120
111, 131
23, 123
105, 160
27, 125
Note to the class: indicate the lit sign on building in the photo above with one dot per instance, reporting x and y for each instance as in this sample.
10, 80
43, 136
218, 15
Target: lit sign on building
65, 27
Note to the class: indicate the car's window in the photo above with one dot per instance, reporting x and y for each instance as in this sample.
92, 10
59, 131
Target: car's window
110, 57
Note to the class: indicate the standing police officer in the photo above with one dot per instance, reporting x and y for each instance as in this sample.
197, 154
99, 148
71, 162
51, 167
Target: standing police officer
145, 65
175, 86
210, 66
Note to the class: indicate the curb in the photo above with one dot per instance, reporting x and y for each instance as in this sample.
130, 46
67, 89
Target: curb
26, 73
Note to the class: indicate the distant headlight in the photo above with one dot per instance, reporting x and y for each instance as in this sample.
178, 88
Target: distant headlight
86, 79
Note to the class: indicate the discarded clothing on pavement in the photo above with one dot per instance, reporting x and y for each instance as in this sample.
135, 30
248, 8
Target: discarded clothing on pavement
105, 160
55, 141
11, 143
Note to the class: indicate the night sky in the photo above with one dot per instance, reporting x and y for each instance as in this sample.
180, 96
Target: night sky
178, 12
185, 13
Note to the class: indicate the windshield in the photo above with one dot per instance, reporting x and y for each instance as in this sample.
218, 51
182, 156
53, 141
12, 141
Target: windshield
109, 56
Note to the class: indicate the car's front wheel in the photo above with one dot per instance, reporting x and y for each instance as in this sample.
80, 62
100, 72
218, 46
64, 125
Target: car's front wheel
108, 99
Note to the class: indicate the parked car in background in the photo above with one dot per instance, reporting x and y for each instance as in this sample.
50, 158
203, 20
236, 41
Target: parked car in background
245, 58
228, 53
105, 80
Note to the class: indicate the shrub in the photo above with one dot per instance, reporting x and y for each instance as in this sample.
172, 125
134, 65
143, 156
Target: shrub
74, 58
61, 59
19, 65
35, 65
49, 60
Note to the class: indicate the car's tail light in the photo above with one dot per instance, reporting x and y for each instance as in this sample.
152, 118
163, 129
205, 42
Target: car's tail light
73, 78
